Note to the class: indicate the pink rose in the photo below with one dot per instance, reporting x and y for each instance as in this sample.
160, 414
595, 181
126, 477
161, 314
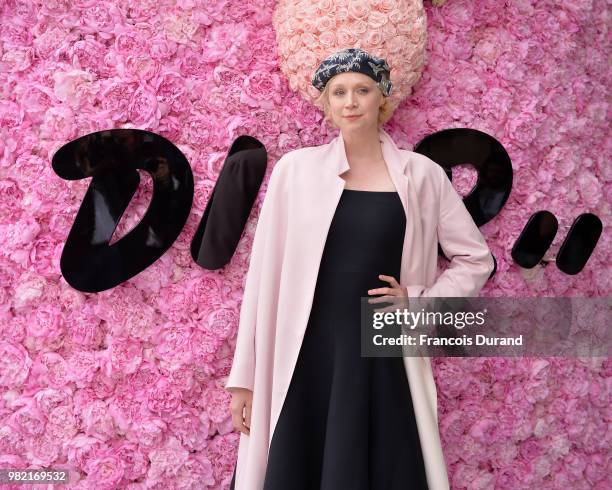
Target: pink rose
29, 420
163, 398
101, 19
17, 60
62, 423
97, 421
11, 441
82, 366
450, 380
486, 430
15, 364
170, 127
48, 399
102, 386
589, 188
261, 89
124, 406
143, 109
47, 327
197, 471
133, 459
74, 87
166, 461
59, 124
138, 68
204, 345
115, 98
148, 432
30, 287
222, 453
129, 41
173, 344
43, 451
576, 386
105, 472
180, 28
85, 54
358, 10
161, 48
170, 90
123, 357
216, 401
83, 449
145, 377
52, 368
189, 429
84, 329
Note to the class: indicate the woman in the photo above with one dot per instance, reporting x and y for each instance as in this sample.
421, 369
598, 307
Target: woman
356, 217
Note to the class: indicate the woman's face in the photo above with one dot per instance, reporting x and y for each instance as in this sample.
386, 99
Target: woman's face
353, 93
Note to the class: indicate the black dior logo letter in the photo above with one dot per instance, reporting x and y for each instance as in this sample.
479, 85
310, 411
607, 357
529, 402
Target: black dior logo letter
111, 158
452, 147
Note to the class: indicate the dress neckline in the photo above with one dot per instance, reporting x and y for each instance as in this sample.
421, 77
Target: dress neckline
370, 192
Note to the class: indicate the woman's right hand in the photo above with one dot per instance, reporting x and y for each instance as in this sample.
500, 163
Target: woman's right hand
240, 407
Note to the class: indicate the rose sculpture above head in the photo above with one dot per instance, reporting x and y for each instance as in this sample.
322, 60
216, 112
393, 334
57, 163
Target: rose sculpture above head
307, 31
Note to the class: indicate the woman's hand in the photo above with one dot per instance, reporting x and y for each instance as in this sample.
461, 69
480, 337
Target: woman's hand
391, 293
240, 407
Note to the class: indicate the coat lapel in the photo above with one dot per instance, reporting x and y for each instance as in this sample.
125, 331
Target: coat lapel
399, 170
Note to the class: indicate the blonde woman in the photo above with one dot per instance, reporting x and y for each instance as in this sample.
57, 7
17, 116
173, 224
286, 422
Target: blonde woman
353, 218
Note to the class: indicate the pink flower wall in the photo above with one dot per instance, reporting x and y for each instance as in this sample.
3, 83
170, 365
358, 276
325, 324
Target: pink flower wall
125, 387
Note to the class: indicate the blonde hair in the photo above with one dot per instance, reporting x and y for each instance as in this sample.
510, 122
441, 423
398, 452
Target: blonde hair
384, 114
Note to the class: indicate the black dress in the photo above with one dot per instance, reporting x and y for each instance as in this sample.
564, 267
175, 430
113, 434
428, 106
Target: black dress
347, 421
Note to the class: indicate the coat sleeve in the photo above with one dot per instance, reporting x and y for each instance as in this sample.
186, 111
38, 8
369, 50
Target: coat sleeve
242, 373
471, 262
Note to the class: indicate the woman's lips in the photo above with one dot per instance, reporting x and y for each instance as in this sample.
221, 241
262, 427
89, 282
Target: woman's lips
352, 117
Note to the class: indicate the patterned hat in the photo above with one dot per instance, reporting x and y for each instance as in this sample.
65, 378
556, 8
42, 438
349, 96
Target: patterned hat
354, 59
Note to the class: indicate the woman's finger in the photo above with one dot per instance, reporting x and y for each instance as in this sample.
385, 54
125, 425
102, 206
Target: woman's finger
238, 419
247, 417
382, 299
380, 291
390, 279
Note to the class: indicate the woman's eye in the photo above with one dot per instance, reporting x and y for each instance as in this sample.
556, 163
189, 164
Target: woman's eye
340, 92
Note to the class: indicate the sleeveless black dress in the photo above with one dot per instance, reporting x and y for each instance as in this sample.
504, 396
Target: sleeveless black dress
347, 421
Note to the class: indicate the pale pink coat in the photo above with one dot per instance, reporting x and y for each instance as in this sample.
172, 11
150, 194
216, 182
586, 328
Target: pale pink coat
303, 192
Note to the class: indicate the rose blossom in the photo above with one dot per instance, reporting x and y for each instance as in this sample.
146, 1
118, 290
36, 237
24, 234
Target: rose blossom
82, 449
105, 472
122, 357
163, 398
62, 423
82, 366
48, 399
134, 460
166, 461
261, 89
97, 421
196, 472
188, 428
15, 364
148, 432
43, 451
143, 109
29, 420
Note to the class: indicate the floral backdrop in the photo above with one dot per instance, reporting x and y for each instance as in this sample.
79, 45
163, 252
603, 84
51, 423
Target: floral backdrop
125, 387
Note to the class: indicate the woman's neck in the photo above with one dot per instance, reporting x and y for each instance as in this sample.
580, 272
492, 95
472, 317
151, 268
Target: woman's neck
362, 148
